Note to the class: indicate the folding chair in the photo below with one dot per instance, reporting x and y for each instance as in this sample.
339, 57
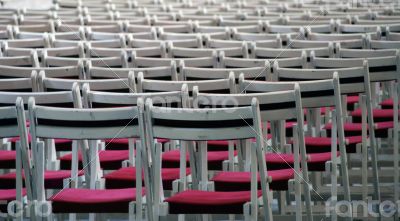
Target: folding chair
278, 178
315, 95
125, 177
87, 126
353, 80
54, 178
12, 125
202, 125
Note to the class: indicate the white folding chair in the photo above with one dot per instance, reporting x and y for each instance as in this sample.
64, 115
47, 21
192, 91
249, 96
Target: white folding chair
200, 125
83, 125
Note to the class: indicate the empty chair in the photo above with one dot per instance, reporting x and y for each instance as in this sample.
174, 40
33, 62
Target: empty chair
51, 123
12, 126
126, 177
200, 125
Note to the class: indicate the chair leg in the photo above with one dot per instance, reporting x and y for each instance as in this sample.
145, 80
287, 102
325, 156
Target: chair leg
250, 212
92, 217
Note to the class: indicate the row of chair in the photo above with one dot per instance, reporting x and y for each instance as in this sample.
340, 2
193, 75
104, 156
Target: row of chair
287, 74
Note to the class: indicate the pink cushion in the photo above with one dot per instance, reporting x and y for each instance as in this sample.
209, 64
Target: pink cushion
109, 159
126, 177
326, 141
244, 177
9, 194
388, 103
93, 201
240, 181
87, 196
352, 99
6, 155
320, 157
377, 113
7, 159
53, 179
347, 126
197, 202
279, 158
384, 125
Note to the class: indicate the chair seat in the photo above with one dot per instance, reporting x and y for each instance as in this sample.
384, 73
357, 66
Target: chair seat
93, 201
277, 161
109, 159
205, 202
387, 104
126, 177
7, 159
355, 129
352, 99
171, 159
380, 115
240, 181
9, 194
384, 125
323, 144
52, 179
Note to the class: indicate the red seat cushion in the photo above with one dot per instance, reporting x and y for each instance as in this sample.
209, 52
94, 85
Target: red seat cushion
285, 161
240, 181
126, 177
380, 115
323, 144
7, 159
52, 179
8, 195
355, 129
277, 161
171, 159
204, 202
387, 104
384, 125
109, 159
352, 99
93, 201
